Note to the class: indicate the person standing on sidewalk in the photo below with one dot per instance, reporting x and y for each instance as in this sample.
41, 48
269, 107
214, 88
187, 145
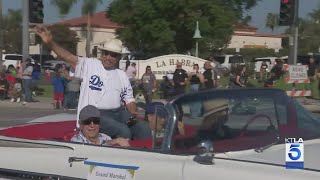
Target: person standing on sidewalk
312, 68
149, 84
131, 72
58, 85
179, 78
210, 76
27, 82
196, 80
72, 90
103, 86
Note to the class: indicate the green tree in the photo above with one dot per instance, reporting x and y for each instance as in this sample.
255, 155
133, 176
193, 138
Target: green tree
12, 31
315, 15
89, 7
272, 21
239, 7
162, 27
67, 38
309, 38
63, 6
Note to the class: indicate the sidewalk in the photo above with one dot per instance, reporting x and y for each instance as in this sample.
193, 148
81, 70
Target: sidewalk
43, 103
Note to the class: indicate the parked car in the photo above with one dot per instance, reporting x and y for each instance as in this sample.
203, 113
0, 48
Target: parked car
42, 58
227, 61
239, 134
271, 61
51, 64
14, 59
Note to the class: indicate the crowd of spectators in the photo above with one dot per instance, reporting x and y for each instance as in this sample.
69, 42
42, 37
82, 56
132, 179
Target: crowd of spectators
66, 88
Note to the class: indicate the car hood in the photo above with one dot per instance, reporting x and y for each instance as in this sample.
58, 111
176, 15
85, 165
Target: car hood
276, 155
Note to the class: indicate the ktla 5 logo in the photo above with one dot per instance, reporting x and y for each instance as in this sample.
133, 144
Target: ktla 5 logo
294, 153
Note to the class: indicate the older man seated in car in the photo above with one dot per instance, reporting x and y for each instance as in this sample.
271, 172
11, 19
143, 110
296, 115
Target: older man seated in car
89, 119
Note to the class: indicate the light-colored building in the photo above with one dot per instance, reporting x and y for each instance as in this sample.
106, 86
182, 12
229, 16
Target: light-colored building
103, 29
247, 37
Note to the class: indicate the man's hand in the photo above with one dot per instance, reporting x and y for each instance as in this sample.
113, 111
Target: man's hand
47, 39
119, 141
44, 33
132, 108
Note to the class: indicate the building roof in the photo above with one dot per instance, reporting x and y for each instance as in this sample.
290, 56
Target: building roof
98, 20
244, 27
262, 35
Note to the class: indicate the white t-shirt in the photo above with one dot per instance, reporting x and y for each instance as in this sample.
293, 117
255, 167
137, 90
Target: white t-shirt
104, 89
29, 69
131, 72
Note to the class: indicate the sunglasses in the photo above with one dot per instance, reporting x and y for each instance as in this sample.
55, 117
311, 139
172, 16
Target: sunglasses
94, 120
112, 54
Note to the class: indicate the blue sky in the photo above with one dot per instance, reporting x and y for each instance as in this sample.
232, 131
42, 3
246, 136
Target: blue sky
258, 13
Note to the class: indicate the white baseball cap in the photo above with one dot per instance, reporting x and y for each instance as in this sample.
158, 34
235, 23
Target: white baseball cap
113, 45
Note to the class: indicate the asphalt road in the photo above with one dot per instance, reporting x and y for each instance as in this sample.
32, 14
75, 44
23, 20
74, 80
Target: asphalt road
11, 116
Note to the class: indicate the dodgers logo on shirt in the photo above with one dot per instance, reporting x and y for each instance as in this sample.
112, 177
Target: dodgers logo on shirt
95, 83
122, 95
294, 153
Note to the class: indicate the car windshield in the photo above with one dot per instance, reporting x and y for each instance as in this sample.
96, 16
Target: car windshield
263, 60
219, 59
250, 119
236, 59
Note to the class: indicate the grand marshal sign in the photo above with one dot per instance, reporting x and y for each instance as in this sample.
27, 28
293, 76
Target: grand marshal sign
163, 65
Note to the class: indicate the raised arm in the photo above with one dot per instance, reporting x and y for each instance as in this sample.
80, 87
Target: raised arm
47, 39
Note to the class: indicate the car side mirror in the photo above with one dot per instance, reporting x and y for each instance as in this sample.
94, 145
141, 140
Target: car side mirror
205, 153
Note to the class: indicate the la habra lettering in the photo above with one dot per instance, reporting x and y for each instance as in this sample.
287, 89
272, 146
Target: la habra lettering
173, 62
294, 153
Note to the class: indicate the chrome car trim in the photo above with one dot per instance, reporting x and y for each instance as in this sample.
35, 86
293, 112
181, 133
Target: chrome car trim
29, 144
264, 163
20, 175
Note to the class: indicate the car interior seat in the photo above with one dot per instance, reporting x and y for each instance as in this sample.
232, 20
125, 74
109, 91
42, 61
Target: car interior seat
68, 135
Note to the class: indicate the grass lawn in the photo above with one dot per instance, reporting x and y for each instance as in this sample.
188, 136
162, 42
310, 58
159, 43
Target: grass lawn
47, 90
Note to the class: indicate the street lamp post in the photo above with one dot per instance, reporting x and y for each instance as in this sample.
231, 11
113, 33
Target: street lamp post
197, 36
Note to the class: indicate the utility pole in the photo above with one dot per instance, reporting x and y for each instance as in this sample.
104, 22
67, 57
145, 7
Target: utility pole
293, 39
25, 31
1, 33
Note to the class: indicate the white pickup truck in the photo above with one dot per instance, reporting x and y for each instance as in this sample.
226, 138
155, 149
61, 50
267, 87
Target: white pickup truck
226, 61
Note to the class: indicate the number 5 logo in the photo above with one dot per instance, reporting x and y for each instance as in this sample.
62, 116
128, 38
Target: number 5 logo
294, 148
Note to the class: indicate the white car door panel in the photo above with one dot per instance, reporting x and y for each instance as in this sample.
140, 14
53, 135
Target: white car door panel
151, 165
38, 160
230, 170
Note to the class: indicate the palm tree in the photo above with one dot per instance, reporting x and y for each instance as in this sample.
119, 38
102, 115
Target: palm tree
315, 15
272, 21
89, 8
12, 31
63, 6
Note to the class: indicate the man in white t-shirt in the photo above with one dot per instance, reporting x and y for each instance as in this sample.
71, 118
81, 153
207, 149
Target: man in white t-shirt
103, 86
131, 71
